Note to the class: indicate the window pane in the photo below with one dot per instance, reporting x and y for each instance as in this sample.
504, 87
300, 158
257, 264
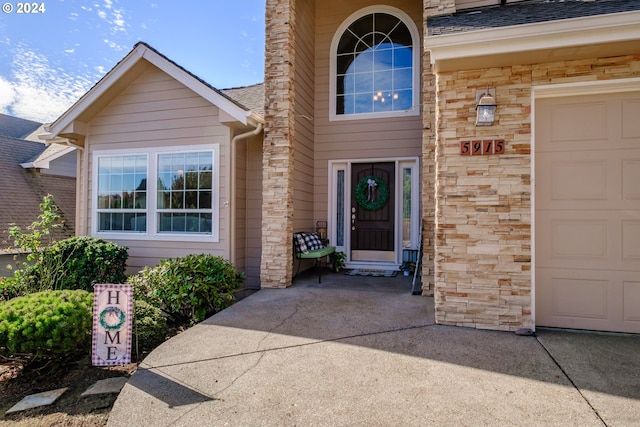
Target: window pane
204, 200
403, 100
205, 181
191, 180
340, 209
177, 201
191, 200
406, 208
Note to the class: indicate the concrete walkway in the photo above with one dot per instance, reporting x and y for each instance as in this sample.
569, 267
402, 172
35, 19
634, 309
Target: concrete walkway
356, 351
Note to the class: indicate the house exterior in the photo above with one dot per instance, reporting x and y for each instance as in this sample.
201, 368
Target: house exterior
532, 220
373, 120
167, 163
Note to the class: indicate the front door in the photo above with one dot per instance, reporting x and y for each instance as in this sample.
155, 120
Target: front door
372, 212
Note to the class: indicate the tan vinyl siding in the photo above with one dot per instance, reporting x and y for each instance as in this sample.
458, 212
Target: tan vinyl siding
62, 166
155, 110
355, 139
253, 223
304, 132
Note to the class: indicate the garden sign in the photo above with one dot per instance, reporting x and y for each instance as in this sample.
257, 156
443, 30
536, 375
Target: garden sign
112, 324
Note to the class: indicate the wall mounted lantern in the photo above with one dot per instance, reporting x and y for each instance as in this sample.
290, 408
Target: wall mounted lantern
485, 108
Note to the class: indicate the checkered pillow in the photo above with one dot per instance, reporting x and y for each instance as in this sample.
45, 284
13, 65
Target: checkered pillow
313, 241
306, 242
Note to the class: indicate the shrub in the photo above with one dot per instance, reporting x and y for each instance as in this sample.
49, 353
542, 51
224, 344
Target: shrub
150, 326
54, 324
190, 288
11, 287
76, 263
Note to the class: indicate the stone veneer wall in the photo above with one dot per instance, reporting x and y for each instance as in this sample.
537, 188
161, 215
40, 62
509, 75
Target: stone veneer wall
483, 213
277, 194
431, 7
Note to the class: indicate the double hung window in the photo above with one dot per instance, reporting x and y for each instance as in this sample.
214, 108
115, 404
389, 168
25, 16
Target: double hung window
157, 193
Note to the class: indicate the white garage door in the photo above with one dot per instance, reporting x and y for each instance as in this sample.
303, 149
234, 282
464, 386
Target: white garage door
587, 212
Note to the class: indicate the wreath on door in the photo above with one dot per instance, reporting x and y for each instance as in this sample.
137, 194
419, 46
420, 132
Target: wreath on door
372, 193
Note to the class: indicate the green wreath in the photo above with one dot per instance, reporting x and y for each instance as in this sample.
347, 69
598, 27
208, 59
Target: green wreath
363, 193
114, 326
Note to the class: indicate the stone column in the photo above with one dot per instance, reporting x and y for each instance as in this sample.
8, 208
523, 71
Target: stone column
277, 194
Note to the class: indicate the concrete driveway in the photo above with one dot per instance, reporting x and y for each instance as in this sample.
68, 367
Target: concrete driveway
357, 351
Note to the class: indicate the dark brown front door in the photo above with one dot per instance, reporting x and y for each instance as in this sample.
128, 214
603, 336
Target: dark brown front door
372, 211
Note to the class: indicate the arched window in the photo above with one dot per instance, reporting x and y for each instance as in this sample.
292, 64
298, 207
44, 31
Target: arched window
375, 66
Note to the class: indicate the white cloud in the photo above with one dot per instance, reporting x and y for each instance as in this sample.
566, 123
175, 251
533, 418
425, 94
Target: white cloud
113, 17
38, 91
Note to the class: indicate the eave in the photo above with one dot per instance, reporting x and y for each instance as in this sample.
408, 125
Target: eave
577, 38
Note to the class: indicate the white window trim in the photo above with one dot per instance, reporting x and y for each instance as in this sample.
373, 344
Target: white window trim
152, 194
415, 40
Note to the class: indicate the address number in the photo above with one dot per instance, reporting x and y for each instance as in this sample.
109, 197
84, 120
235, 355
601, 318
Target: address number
482, 147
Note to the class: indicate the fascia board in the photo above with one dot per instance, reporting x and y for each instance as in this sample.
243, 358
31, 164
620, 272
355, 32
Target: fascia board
528, 37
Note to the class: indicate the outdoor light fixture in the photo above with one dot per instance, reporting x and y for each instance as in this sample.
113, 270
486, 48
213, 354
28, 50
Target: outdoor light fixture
486, 109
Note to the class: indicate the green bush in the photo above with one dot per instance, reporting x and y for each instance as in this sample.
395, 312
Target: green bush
150, 326
55, 324
76, 263
190, 288
11, 287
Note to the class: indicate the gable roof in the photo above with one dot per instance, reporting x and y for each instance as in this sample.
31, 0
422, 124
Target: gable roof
21, 200
533, 31
16, 127
72, 123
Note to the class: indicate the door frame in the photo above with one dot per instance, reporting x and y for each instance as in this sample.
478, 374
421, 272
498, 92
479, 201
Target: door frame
339, 223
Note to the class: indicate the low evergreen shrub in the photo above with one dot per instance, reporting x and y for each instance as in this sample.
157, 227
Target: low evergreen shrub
54, 324
150, 326
190, 288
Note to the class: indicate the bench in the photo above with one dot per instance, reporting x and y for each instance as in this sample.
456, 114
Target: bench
310, 246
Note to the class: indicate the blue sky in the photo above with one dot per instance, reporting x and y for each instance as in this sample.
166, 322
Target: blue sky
49, 59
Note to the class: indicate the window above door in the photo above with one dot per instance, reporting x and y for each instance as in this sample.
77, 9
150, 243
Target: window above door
375, 66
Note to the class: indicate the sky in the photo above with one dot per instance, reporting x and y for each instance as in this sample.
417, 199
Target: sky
51, 58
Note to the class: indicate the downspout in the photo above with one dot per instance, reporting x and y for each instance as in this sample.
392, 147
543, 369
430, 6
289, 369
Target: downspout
232, 193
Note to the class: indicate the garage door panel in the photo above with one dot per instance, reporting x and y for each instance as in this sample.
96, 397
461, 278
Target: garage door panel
594, 240
583, 297
587, 218
579, 180
631, 296
579, 239
630, 122
631, 178
600, 300
578, 122
631, 241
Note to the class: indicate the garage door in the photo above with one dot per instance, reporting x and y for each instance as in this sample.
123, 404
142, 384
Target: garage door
587, 212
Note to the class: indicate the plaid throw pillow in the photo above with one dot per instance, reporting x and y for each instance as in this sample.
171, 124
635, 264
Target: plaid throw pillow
301, 244
306, 242
313, 241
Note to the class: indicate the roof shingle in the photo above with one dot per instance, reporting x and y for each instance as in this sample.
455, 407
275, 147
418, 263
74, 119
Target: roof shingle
525, 12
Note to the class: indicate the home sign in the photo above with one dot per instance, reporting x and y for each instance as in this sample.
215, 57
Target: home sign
112, 324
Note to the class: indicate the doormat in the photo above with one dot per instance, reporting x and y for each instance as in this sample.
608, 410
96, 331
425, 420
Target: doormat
371, 273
